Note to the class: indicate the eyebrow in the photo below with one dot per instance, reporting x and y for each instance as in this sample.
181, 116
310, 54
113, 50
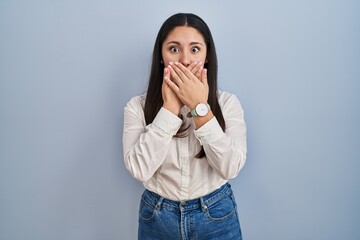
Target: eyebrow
177, 43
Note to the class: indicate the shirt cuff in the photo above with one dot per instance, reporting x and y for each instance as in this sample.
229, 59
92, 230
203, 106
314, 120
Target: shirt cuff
209, 132
167, 121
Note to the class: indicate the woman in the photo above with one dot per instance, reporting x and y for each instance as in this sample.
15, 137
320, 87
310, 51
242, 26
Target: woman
184, 139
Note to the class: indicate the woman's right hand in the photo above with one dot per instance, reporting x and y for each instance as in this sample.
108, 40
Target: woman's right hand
196, 68
171, 102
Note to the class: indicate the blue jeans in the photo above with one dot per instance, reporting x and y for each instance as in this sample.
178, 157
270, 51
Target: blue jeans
210, 217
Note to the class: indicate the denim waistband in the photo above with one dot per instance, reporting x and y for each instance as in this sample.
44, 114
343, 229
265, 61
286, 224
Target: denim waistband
157, 201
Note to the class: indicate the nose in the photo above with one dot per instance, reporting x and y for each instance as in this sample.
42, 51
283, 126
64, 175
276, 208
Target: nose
185, 59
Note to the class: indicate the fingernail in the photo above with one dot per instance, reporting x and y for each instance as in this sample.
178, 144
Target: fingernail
171, 63
176, 63
200, 63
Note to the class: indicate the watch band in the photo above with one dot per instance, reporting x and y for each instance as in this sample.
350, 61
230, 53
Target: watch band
191, 114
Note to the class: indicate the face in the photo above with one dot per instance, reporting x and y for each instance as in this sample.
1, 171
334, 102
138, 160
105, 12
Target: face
185, 45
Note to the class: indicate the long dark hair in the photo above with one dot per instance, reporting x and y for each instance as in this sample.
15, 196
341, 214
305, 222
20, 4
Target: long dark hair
154, 100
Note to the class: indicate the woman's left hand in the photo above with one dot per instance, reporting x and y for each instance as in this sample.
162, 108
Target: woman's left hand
189, 89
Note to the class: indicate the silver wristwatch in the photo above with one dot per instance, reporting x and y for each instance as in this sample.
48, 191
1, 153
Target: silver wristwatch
200, 110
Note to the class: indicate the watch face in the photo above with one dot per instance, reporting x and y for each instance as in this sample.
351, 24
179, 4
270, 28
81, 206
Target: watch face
202, 109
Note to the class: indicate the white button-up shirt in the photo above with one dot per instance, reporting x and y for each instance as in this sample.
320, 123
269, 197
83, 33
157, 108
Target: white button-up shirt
167, 165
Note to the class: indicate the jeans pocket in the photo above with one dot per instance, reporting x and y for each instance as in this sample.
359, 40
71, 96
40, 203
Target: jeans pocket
146, 211
222, 209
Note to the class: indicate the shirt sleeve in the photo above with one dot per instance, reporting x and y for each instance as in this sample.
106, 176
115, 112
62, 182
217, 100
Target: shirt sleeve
145, 147
225, 151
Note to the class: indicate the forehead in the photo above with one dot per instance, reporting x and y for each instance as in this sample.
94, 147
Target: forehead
185, 35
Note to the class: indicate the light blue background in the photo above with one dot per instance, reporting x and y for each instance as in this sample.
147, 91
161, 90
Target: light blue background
67, 69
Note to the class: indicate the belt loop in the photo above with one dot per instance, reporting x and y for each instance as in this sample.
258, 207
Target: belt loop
203, 205
158, 204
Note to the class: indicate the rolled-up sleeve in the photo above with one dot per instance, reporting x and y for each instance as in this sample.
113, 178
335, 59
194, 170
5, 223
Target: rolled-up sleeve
145, 147
225, 151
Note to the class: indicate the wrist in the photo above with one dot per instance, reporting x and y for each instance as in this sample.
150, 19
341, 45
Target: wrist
200, 110
172, 108
200, 121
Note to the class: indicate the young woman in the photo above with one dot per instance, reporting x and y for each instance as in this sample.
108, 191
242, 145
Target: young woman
184, 139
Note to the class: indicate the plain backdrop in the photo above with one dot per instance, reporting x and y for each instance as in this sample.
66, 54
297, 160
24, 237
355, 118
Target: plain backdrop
67, 69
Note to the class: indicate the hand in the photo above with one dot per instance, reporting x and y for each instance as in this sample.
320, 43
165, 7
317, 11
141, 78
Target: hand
196, 68
187, 87
171, 101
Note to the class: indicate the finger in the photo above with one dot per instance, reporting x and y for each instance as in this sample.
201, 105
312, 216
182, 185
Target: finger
204, 79
192, 67
200, 66
171, 84
195, 68
174, 74
166, 73
166, 76
183, 72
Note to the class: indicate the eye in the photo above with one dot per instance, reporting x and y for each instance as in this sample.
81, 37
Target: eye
174, 49
195, 49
